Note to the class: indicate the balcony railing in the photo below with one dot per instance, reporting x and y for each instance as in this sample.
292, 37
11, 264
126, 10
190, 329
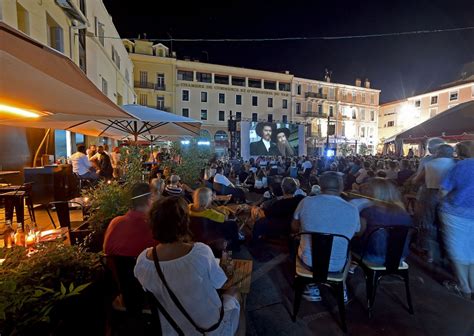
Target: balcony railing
315, 115
147, 85
316, 95
166, 109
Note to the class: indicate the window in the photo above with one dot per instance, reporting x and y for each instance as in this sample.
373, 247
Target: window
185, 112
160, 81
284, 87
204, 97
55, 34
221, 98
331, 111
331, 93
185, 95
115, 57
143, 99
143, 77
238, 115
105, 89
269, 85
320, 109
185, 75
320, 90
362, 114
160, 102
298, 108
453, 95
362, 132
254, 101
99, 31
372, 115
270, 117
270, 102
354, 114
284, 103
434, 100
221, 79
284, 119
255, 83
23, 19
344, 95
254, 117
390, 123
298, 89
238, 81
353, 96
204, 77
310, 107
433, 112
417, 103
238, 99
203, 114
363, 98
221, 115
372, 98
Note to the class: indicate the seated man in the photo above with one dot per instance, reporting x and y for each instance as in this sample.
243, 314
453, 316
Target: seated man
81, 164
130, 234
229, 188
176, 188
279, 213
326, 213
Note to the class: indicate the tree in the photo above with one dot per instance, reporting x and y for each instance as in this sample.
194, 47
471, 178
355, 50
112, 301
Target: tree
345, 149
363, 149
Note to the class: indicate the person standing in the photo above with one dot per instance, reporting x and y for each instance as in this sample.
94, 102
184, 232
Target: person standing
105, 166
432, 173
115, 158
457, 216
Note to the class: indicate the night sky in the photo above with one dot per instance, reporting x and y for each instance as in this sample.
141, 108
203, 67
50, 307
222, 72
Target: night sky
400, 66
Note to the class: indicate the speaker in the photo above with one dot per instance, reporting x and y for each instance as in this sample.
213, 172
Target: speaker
231, 125
331, 129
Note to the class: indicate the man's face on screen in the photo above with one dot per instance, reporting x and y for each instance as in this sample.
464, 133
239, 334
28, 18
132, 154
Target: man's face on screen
281, 137
267, 132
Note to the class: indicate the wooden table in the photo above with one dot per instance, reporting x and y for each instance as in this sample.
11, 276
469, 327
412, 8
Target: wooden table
242, 277
9, 172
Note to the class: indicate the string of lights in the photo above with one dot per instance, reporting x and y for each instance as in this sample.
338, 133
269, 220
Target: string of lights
299, 38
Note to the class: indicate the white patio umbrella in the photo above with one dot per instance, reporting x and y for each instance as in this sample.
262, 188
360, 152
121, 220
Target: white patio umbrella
144, 123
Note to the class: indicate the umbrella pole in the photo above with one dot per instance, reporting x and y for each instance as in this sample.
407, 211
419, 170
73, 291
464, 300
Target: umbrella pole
46, 136
152, 140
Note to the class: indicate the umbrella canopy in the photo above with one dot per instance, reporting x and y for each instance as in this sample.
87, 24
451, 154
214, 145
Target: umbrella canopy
456, 122
155, 124
36, 77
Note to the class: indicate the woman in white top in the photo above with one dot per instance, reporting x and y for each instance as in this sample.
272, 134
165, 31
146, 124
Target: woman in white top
191, 271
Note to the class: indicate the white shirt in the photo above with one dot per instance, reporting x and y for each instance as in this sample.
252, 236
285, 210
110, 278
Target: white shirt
80, 163
196, 291
219, 178
266, 143
436, 170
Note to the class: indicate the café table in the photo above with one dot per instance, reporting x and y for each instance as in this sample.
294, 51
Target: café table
241, 279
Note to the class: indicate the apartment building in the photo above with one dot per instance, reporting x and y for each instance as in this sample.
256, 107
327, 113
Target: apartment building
351, 112
400, 115
83, 31
208, 92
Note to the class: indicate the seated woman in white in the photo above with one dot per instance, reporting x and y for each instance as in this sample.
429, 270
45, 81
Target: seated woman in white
191, 272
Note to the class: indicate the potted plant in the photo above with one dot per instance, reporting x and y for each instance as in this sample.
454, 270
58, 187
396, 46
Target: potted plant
35, 287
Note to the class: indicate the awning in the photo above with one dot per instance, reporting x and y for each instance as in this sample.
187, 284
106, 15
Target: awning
37, 77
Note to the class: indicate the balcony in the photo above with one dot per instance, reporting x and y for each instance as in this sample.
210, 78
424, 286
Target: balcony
152, 86
315, 115
315, 95
166, 109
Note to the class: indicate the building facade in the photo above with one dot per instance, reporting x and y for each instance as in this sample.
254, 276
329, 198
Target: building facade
400, 115
208, 92
83, 31
350, 113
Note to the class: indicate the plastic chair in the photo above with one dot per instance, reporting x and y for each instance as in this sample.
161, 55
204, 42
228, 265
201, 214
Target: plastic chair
321, 247
398, 238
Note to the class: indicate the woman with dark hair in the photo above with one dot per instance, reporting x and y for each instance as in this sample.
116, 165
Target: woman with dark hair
189, 271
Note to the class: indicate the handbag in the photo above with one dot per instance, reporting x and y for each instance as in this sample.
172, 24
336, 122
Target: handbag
178, 303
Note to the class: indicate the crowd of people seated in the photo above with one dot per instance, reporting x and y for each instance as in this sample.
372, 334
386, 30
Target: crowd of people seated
96, 162
351, 196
